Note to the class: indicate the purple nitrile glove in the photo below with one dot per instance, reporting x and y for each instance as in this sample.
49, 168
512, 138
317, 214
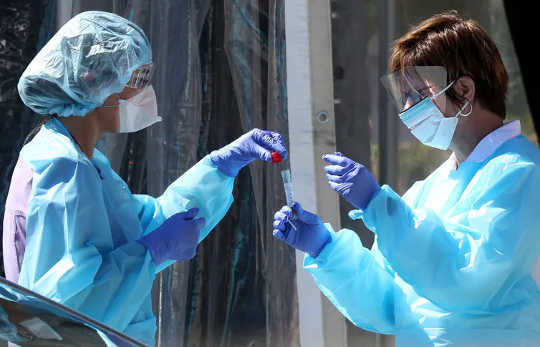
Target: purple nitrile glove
176, 239
256, 144
350, 179
310, 234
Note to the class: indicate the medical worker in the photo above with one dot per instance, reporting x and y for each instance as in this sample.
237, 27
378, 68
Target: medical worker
72, 228
454, 258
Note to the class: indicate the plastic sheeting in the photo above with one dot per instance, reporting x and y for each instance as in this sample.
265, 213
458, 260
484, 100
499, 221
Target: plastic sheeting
255, 47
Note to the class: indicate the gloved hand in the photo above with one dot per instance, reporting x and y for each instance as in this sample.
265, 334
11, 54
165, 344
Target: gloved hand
310, 234
176, 239
256, 144
350, 179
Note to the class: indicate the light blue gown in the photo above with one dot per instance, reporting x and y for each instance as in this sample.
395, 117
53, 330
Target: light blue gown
453, 257
83, 223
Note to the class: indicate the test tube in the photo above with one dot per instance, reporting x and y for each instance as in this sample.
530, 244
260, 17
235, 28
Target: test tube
289, 191
288, 186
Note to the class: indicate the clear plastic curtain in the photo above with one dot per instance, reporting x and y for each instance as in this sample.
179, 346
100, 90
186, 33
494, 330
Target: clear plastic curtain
255, 48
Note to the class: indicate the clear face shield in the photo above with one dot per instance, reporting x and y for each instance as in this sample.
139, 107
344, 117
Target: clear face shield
411, 85
418, 93
137, 106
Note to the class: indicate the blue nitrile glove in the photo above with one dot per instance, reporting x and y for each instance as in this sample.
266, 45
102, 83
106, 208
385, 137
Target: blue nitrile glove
256, 144
176, 239
350, 179
310, 234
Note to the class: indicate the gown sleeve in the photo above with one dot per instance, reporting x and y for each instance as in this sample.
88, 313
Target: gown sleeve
470, 258
359, 286
202, 186
70, 256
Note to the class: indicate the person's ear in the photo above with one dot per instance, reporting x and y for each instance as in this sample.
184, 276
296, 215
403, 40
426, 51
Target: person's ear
465, 88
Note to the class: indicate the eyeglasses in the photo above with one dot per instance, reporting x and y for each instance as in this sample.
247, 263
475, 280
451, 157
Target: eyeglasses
141, 77
412, 97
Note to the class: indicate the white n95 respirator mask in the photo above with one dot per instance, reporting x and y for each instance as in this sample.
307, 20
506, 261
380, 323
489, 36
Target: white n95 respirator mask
137, 112
429, 125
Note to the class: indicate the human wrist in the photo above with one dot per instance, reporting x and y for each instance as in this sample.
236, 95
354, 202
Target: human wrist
156, 254
225, 164
367, 189
326, 238
364, 203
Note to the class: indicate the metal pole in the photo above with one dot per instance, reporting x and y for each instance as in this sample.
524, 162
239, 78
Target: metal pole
63, 12
387, 115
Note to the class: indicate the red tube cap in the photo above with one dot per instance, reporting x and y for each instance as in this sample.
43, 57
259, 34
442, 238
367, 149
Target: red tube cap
276, 157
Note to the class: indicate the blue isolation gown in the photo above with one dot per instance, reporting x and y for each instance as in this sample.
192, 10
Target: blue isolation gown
453, 257
82, 226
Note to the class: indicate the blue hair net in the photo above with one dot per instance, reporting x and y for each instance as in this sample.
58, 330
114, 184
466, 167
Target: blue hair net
90, 58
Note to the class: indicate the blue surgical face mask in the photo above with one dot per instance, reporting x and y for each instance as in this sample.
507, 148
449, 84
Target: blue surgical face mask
429, 125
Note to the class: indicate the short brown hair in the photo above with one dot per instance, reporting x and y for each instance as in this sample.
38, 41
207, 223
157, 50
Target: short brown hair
464, 48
